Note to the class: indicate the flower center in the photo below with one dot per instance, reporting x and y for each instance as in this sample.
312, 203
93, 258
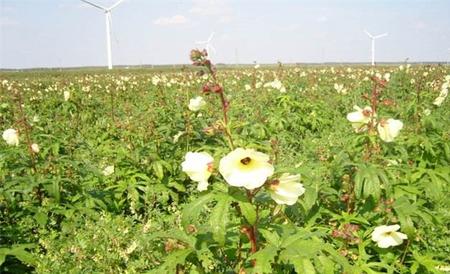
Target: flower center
246, 161
274, 184
366, 112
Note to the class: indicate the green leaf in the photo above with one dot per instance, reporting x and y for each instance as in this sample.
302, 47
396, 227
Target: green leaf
309, 198
41, 218
193, 210
271, 237
2, 257
249, 212
175, 258
172, 234
219, 218
304, 266
158, 169
264, 259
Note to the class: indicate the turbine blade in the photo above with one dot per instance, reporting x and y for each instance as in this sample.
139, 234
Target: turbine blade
380, 35
94, 5
368, 34
211, 36
213, 49
116, 4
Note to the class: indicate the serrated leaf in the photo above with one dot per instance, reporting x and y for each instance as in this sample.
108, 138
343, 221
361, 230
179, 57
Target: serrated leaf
193, 210
264, 259
271, 237
158, 169
304, 266
219, 218
249, 212
309, 198
41, 218
175, 258
172, 234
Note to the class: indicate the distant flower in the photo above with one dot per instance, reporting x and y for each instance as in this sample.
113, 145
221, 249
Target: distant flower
247, 87
11, 136
387, 76
427, 112
109, 170
256, 66
156, 80
66, 95
246, 168
360, 118
438, 101
387, 236
35, 148
389, 129
286, 189
444, 92
198, 166
177, 136
276, 84
444, 268
340, 88
196, 104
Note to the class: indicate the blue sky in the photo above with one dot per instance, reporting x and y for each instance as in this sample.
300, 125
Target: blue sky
53, 33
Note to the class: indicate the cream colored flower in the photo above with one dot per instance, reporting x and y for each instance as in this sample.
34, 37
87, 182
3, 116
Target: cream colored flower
387, 236
340, 88
196, 104
109, 170
11, 136
360, 118
246, 167
198, 166
66, 95
35, 148
389, 129
438, 101
177, 136
286, 189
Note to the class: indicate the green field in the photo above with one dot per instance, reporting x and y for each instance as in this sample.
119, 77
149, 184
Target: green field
103, 190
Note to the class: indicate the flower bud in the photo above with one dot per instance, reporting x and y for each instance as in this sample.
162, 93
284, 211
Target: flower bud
195, 55
217, 88
206, 88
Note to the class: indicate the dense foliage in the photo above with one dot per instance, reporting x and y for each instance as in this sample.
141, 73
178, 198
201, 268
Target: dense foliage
104, 191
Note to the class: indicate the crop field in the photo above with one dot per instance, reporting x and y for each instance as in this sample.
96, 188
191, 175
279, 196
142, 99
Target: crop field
282, 169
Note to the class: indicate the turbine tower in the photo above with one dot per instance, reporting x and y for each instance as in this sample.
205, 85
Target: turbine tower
372, 37
207, 44
107, 12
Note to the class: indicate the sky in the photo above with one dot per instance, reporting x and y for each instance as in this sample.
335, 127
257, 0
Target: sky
69, 33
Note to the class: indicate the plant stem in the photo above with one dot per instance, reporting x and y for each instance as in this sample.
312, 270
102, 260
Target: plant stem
404, 252
224, 107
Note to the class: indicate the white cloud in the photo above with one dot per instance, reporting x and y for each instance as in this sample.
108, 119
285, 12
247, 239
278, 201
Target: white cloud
7, 22
322, 19
216, 8
420, 25
174, 20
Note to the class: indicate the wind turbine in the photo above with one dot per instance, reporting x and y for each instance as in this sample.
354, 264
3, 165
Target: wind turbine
107, 12
372, 37
207, 44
